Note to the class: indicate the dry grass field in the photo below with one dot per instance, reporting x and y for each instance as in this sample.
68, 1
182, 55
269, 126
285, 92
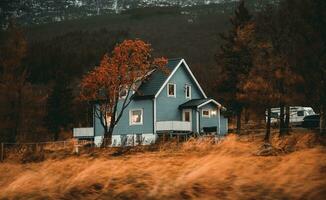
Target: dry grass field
197, 169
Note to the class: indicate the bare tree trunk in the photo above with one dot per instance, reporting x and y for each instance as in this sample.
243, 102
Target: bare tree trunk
322, 123
282, 125
287, 120
268, 126
107, 140
18, 112
246, 116
239, 122
105, 136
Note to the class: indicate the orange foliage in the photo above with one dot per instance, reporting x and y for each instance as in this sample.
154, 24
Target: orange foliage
129, 63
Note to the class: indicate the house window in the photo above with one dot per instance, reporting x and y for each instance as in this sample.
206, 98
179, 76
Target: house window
188, 92
300, 113
136, 117
171, 90
206, 113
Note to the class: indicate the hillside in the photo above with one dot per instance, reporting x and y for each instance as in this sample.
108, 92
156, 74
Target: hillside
30, 12
77, 45
193, 170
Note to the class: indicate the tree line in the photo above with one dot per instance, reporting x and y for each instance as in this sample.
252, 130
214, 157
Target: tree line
39, 82
275, 58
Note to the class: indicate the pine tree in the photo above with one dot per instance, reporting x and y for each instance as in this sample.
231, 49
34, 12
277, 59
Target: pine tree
235, 61
308, 34
59, 107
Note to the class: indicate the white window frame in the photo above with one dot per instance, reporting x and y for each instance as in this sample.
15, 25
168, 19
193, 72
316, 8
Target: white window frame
188, 86
175, 90
205, 116
141, 119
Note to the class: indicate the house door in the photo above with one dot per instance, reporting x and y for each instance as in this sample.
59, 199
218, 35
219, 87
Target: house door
186, 115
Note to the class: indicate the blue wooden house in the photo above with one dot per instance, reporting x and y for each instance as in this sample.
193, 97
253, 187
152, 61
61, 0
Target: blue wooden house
171, 103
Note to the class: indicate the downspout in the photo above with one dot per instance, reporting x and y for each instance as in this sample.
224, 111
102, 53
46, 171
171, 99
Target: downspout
94, 120
154, 116
198, 120
219, 119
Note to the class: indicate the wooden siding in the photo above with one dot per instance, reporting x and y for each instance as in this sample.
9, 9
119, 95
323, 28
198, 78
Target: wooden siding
168, 107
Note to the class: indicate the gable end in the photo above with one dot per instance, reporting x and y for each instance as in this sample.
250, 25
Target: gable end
173, 72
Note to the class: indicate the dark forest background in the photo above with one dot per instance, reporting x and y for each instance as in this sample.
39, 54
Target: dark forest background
58, 54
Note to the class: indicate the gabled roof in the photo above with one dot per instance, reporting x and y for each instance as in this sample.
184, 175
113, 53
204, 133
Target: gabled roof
197, 103
157, 80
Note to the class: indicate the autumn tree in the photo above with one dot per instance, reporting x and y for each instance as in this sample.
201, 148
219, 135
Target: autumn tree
273, 25
271, 80
235, 61
13, 78
118, 73
308, 55
261, 87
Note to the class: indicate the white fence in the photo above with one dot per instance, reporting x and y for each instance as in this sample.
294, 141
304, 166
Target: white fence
173, 126
83, 132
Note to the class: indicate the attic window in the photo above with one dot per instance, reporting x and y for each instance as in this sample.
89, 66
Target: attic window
171, 90
188, 91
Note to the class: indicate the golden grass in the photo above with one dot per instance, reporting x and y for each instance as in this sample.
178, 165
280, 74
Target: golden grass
198, 169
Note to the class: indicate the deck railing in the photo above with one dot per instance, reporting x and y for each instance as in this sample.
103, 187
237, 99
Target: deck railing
173, 126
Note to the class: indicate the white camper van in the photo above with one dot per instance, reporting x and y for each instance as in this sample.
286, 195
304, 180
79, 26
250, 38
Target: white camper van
297, 113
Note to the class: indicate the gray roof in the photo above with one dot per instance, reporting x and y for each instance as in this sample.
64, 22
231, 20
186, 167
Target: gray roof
155, 80
194, 103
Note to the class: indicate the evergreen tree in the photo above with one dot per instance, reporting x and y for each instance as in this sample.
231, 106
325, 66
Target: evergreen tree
13, 80
235, 61
308, 33
59, 107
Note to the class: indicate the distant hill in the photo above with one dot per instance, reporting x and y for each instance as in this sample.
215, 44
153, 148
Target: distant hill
47, 11
75, 46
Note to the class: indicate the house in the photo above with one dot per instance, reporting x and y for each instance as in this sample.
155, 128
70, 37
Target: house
172, 103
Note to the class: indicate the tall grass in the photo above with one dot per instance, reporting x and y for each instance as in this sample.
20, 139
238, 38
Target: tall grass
198, 169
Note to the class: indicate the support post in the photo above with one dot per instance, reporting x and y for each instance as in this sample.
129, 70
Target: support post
2, 152
163, 137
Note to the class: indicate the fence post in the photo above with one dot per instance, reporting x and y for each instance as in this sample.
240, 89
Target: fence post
2, 152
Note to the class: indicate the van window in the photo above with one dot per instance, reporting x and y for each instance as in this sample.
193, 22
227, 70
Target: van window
311, 112
274, 115
300, 113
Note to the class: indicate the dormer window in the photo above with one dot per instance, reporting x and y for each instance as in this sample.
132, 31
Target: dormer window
188, 91
171, 90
